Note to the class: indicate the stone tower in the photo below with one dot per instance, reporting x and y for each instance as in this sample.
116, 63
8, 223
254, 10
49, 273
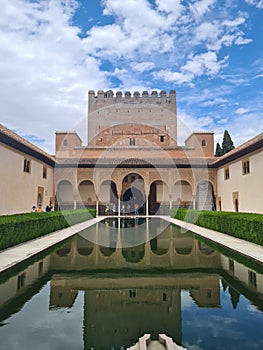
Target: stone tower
126, 120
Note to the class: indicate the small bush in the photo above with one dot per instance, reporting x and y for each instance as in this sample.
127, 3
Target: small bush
18, 228
248, 226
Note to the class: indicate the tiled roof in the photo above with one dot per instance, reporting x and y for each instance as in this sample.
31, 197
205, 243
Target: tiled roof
134, 162
250, 146
17, 142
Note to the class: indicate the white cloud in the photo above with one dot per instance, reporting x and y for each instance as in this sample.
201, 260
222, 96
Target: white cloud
242, 41
175, 77
134, 19
216, 34
204, 63
208, 32
242, 110
200, 7
142, 66
172, 7
256, 3
234, 23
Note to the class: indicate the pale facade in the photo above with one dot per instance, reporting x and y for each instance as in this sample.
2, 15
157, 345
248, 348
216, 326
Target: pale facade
239, 178
26, 176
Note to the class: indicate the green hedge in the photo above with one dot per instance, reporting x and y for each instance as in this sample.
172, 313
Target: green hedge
248, 226
18, 228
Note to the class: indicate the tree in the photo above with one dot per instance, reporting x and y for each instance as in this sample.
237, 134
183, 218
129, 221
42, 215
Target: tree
234, 296
227, 144
219, 151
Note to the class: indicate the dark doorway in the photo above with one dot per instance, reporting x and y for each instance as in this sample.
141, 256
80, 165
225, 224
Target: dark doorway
131, 197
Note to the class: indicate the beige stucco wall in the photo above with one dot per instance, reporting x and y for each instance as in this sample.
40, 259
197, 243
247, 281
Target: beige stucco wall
11, 288
19, 189
249, 186
241, 273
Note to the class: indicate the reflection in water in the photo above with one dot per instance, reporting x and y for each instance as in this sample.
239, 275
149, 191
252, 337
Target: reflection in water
129, 291
128, 232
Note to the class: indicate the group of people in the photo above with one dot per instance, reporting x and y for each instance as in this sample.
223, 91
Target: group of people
111, 209
39, 208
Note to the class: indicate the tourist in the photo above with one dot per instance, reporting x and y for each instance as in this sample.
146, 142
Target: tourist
34, 209
123, 209
39, 209
49, 207
136, 209
107, 210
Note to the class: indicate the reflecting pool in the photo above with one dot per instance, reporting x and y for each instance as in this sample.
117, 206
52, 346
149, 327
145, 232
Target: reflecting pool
110, 284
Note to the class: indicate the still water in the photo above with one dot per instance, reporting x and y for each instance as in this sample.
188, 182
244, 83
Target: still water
110, 284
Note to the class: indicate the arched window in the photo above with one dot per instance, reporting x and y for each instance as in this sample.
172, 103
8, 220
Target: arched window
203, 143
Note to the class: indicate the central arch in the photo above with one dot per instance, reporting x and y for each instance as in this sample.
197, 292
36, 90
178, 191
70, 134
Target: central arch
133, 194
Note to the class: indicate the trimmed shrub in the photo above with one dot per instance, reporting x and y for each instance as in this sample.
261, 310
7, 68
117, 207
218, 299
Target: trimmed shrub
18, 228
248, 226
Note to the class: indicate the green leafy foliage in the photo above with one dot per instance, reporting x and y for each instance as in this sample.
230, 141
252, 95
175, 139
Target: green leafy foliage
227, 144
18, 228
248, 226
219, 151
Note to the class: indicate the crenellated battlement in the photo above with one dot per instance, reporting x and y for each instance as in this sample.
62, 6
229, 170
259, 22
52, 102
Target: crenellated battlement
128, 95
107, 109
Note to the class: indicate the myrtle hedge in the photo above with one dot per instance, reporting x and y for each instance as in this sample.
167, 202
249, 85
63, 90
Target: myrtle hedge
248, 226
18, 228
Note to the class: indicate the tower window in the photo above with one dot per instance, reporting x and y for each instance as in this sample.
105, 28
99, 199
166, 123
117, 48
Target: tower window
161, 138
65, 143
132, 142
203, 143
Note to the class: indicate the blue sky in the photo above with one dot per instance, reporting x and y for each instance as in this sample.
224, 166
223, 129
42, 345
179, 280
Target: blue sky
52, 52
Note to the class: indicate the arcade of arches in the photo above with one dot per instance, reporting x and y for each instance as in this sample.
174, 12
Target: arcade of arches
121, 191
